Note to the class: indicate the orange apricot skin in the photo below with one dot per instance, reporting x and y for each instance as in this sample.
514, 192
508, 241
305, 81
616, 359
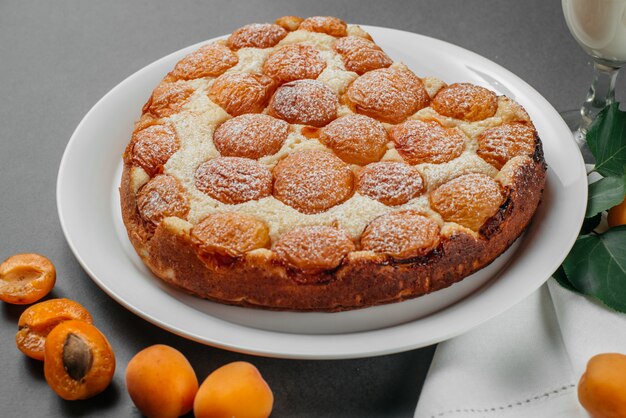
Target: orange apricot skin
234, 390
602, 388
161, 382
26, 278
38, 320
96, 377
617, 215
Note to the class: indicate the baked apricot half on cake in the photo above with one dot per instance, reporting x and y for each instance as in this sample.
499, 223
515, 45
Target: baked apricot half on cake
296, 165
427, 142
390, 182
250, 136
211, 60
312, 181
401, 235
233, 180
305, 102
356, 139
388, 94
294, 62
240, 93
466, 101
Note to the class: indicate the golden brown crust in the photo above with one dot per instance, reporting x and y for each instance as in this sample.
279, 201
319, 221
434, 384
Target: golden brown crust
363, 279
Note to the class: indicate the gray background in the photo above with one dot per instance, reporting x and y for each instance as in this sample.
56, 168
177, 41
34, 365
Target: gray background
57, 58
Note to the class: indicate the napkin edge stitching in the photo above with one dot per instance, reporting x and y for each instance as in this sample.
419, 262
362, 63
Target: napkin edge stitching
510, 405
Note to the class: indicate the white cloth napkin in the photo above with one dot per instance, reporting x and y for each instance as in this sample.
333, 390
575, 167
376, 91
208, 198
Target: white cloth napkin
523, 363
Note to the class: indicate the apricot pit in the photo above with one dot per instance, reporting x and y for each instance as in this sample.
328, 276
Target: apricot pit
78, 360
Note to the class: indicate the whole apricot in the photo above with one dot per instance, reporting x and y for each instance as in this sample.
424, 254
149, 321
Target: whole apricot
161, 382
602, 388
234, 390
78, 360
37, 321
617, 215
26, 278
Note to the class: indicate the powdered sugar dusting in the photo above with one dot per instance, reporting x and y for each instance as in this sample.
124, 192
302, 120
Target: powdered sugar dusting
390, 183
317, 40
307, 102
257, 35
251, 60
198, 118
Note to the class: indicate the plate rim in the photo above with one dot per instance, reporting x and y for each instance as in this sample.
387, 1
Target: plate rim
364, 351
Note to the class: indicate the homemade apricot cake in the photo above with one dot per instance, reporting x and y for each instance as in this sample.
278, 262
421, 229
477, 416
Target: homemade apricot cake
295, 165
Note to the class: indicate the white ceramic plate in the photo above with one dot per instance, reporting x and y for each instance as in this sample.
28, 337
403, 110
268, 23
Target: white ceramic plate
88, 205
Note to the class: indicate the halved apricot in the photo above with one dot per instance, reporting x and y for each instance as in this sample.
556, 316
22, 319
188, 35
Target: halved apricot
305, 102
356, 139
240, 93
361, 55
230, 233
294, 62
161, 197
209, 60
465, 101
233, 180
167, 99
253, 135
312, 181
314, 248
78, 360
499, 144
388, 94
37, 321
401, 235
26, 278
151, 147
289, 23
420, 142
325, 24
390, 182
257, 35
468, 200
234, 390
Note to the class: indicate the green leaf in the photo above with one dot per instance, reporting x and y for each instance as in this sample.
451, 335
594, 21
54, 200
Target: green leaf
607, 141
604, 194
589, 224
561, 278
596, 266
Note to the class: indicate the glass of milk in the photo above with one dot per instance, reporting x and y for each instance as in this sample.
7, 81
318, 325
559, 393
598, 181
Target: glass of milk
599, 26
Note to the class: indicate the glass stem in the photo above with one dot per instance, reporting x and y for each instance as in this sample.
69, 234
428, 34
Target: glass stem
601, 93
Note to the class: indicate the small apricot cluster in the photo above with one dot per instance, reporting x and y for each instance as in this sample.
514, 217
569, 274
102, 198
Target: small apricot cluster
162, 383
78, 360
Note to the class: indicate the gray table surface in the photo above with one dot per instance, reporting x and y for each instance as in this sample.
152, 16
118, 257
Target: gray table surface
57, 58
